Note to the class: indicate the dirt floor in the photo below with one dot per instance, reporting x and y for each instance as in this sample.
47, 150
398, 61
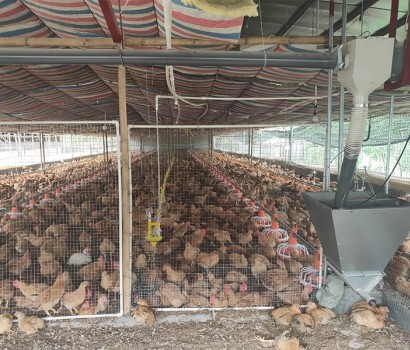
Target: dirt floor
221, 330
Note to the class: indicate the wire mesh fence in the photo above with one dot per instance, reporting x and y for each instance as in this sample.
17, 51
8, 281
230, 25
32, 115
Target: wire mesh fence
383, 165
60, 230
198, 242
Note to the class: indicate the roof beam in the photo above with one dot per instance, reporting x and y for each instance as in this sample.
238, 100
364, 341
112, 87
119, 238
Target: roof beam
111, 21
90, 42
357, 11
300, 11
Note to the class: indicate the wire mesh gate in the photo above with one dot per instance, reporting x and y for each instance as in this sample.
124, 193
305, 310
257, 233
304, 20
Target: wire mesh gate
60, 229
199, 238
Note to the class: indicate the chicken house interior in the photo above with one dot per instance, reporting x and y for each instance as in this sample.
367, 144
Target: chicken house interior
193, 156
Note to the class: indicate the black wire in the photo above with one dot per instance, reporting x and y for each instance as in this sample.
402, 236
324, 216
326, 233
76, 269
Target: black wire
388, 177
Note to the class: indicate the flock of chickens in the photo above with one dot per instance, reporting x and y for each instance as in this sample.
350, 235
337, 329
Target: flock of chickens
59, 239
212, 254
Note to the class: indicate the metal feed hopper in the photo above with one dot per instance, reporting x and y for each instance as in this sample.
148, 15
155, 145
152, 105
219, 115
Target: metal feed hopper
359, 240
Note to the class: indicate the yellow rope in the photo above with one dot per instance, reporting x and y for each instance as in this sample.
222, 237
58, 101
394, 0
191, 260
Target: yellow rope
165, 183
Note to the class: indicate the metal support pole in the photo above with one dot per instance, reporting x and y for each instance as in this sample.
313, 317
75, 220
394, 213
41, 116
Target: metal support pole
71, 146
342, 96
388, 150
19, 148
328, 145
290, 144
125, 190
42, 153
251, 146
106, 146
212, 144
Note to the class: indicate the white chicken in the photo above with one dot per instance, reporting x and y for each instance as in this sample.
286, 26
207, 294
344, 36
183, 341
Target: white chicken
80, 259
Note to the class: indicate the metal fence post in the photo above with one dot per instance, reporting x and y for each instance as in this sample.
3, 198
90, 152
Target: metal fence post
388, 150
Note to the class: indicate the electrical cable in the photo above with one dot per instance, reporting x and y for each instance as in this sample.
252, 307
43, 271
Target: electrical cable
388, 177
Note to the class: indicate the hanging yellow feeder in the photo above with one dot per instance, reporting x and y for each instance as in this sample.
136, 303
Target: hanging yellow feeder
154, 232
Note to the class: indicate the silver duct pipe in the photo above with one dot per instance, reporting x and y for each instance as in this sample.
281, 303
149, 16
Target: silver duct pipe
326, 60
368, 65
353, 146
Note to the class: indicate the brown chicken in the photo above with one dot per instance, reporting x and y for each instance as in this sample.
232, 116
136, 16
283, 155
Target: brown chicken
107, 248
284, 315
303, 323
179, 230
218, 300
283, 342
368, 318
92, 271
50, 296
207, 260
236, 276
266, 240
110, 281
197, 300
222, 236
24, 302
245, 238
259, 264
6, 292
72, 300
320, 315
171, 295
166, 248
141, 262
30, 291
403, 286
6, 323
143, 313
50, 268
174, 276
88, 309
191, 253
276, 280
238, 261
17, 266
363, 304
196, 238
28, 324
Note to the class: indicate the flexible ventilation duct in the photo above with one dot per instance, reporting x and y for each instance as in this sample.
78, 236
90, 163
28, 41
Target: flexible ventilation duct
368, 64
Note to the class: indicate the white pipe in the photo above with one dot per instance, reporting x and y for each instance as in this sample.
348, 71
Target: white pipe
320, 266
74, 122
159, 171
206, 98
213, 308
223, 126
75, 317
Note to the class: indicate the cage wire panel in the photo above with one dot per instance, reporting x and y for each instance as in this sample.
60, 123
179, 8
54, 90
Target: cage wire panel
211, 250
384, 141
60, 228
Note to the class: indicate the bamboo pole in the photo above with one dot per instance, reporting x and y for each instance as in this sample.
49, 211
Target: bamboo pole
132, 41
125, 188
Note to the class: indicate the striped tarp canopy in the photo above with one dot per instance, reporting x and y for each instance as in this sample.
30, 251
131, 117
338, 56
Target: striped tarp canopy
61, 92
